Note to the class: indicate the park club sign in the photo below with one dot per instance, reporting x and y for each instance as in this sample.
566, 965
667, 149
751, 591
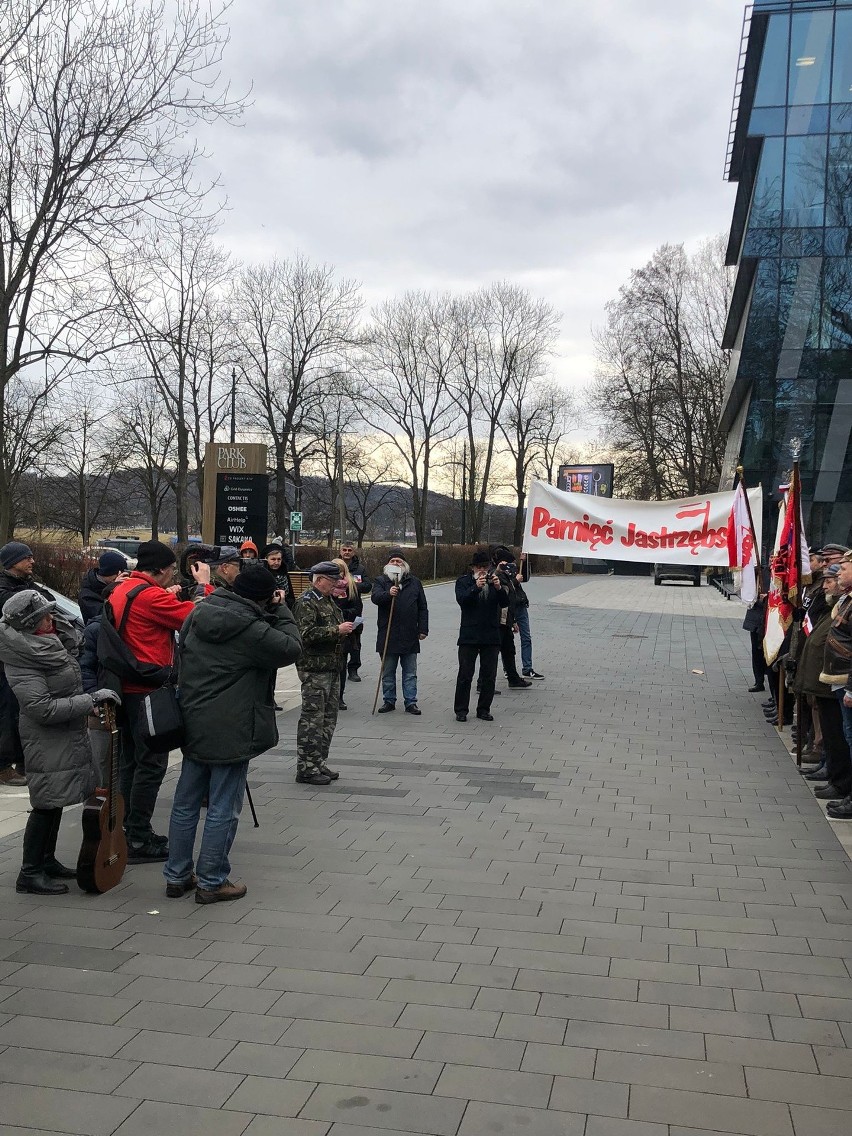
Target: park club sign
693, 530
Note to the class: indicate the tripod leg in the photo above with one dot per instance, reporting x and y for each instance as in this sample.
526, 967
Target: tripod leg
251, 806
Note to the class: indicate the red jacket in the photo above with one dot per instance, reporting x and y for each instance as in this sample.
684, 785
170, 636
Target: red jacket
155, 616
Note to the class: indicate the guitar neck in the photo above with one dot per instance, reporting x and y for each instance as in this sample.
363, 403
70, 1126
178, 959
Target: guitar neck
112, 783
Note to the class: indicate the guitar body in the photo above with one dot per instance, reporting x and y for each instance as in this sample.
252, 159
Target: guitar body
103, 853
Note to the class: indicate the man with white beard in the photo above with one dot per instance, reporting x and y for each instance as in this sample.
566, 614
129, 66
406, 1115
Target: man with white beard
396, 588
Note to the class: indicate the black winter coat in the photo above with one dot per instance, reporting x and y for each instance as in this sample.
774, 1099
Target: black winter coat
89, 665
230, 650
91, 598
480, 612
410, 615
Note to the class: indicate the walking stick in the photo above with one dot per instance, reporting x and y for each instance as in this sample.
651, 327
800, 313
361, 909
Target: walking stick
251, 806
384, 653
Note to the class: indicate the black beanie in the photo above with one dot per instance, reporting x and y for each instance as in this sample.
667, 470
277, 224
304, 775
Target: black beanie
154, 556
13, 553
256, 583
480, 559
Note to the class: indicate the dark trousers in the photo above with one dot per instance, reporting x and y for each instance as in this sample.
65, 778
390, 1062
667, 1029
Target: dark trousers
11, 751
488, 656
355, 648
140, 772
507, 652
758, 660
838, 767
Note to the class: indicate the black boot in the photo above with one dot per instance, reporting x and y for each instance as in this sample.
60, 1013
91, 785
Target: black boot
32, 877
52, 867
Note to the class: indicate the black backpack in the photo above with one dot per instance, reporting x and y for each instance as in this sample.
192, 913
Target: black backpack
117, 660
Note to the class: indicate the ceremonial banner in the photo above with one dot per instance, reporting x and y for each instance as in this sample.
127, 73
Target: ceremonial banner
693, 530
790, 567
741, 550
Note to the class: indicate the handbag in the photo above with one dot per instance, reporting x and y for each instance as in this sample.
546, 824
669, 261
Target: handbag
754, 617
160, 719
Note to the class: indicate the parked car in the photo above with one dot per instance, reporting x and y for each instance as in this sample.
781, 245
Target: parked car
690, 572
69, 608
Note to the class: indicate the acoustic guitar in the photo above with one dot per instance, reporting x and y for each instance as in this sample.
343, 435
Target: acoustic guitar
103, 853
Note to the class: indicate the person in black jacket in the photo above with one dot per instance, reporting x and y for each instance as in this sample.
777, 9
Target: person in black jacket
503, 560
111, 566
279, 560
403, 633
358, 571
482, 599
16, 575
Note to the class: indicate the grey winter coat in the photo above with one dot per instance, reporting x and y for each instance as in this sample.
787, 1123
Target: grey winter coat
46, 681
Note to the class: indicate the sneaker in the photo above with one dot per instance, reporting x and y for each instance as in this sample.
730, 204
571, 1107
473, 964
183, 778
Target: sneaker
176, 891
10, 776
387, 708
222, 894
147, 853
413, 709
531, 674
342, 705
317, 778
331, 774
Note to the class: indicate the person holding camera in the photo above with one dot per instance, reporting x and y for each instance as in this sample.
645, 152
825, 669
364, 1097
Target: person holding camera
482, 599
231, 648
506, 568
154, 612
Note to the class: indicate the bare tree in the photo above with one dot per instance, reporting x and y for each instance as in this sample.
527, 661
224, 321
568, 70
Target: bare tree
372, 485
165, 291
96, 101
152, 439
29, 431
662, 372
295, 323
410, 357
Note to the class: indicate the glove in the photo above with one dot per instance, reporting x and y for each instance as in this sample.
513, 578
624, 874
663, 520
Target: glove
105, 695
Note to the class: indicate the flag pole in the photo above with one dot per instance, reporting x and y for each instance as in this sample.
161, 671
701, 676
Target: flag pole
797, 560
759, 568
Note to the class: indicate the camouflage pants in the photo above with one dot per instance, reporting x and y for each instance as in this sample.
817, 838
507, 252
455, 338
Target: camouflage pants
320, 698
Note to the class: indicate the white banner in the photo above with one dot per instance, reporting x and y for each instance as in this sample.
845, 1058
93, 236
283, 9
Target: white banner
693, 530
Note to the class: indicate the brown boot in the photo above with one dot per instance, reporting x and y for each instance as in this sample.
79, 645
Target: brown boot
11, 777
221, 894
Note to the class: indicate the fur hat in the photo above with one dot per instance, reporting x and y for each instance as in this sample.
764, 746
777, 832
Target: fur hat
26, 609
398, 554
480, 559
273, 546
154, 556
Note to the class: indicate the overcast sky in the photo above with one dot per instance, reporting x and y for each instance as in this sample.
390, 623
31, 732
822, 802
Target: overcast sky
448, 143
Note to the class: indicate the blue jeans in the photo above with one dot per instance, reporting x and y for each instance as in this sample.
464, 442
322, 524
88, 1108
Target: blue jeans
409, 678
224, 786
522, 618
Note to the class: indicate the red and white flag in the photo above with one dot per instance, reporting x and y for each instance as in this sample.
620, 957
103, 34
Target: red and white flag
741, 550
790, 568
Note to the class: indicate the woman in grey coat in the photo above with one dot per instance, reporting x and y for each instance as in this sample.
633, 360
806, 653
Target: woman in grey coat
38, 649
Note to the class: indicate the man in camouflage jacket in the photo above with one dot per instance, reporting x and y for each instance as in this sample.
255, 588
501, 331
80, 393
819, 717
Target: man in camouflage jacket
322, 628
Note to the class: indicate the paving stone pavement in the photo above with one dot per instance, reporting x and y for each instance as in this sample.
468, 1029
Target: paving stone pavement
614, 911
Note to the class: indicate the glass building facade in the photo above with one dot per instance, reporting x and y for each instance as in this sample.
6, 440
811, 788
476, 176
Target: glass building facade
790, 322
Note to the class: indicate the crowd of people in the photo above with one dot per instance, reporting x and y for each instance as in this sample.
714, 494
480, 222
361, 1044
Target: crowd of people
810, 681
216, 628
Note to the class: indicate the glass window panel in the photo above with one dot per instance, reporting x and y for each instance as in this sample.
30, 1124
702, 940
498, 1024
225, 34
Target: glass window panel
838, 242
804, 181
810, 57
766, 200
841, 119
838, 181
762, 242
837, 303
808, 119
841, 86
768, 120
772, 81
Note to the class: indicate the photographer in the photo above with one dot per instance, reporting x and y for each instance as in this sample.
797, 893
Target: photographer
231, 647
279, 560
482, 599
507, 572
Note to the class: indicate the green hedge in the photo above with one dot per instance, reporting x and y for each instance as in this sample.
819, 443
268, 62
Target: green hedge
453, 559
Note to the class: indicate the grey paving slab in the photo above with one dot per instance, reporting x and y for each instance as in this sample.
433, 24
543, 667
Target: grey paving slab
615, 911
